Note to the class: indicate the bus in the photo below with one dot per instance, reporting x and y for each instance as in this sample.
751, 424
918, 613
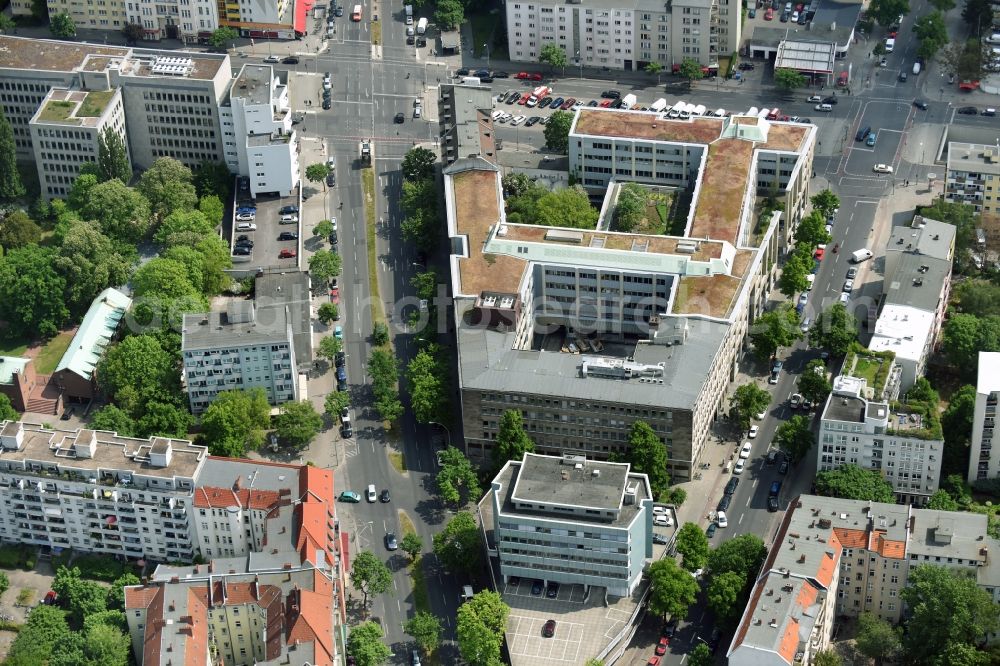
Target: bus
356, 14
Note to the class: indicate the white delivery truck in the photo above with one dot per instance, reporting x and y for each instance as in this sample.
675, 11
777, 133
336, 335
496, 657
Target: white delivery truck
409, 14
699, 110
687, 110
421, 26
861, 255
658, 105
628, 101
675, 110
752, 111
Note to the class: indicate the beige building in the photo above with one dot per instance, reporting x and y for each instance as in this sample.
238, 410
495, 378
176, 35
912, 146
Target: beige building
585, 331
974, 176
983, 464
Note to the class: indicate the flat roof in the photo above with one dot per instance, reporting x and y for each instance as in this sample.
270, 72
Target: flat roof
902, 329
253, 84
80, 108
917, 281
472, 126
988, 378
723, 190
288, 291
10, 365
976, 157
924, 236
571, 481
805, 56
217, 330
844, 408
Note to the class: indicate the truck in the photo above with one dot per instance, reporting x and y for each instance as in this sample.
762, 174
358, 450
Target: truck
421, 26
675, 110
628, 101
409, 14
366, 151
537, 94
658, 105
699, 110
861, 255
467, 592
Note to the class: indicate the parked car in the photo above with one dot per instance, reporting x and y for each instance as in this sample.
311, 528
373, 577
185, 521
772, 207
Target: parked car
289, 60
390, 541
384, 496
968, 110
552, 591
536, 587
746, 66
287, 253
349, 496
549, 629
611, 94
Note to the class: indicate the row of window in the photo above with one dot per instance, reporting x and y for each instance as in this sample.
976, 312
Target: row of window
556, 403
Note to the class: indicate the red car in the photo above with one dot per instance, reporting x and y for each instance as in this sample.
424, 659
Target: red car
661, 647
50, 598
606, 103
524, 99
335, 295
536, 77
522, 75
769, 15
799, 7
819, 253
549, 629
568, 103
287, 253
653, 661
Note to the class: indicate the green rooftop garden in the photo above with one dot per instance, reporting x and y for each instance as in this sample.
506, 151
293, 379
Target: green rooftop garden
873, 367
95, 103
56, 111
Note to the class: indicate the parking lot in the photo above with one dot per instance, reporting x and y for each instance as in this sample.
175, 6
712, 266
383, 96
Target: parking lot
267, 249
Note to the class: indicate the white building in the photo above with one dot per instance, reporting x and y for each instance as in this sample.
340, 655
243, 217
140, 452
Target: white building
895, 442
573, 521
260, 141
982, 463
603, 34
186, 20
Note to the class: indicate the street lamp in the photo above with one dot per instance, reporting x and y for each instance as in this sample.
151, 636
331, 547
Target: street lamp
487, 47
579, 61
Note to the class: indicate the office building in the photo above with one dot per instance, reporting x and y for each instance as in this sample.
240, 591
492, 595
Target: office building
972, 170
898, 442
915, 293
466, 124
661, 320
983, 464
573, 521
603, 34
834, 557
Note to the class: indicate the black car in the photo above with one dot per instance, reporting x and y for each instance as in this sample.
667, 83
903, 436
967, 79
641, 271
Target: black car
920, 104
421, 41
660, 539
731, 486
480, 73
326, 105
784, 17
724, 503
288, 235
803, 18
327, 94
411, 40
611, 94
617, 104
830, 100
592, 102
772, 504
536, 587
384, 496
461, 72
968, 111
346, 431
513, 97
241, 251
289, 60
783, 467
746, 66
531, 121
339, 359
710, 530
390, 541
331, 180
339, 12
552, 591
246, 243
486, 79
669, 629
501, 75
399, 118
286, 210
544, 102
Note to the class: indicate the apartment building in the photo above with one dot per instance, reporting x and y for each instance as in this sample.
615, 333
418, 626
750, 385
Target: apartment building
603, 34
660, 320
257, 124
835, 557
974, 176
982, 463
572, 521
894, 441
466, 124
915, 293
98, 492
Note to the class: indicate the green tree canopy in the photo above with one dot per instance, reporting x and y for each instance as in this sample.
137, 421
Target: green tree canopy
425, 629
369, 575
932, 34
813, 383
449, 14
164, 419
235, 421
794, 437
827, 658
46, 627
512, 441
774, 329
456, 481
724, 594
556, 131
747, 401
654, 68
62, 26
956, 423
648, 455
978, 15
630, 207
32, 292
700, 655
112, 157
317, 173
138, 370
328, 313
324, 264
183, 227
335, 402
329, 346
826, 202
553, 55
835, 330
113, 419
692, 544
7, 411
11, 187
213, 179
80, 597
480, 626
964, 336
812, 230
418, 163
459, 546
427, 379
122, 213
789, 79
298, 423
18, 230
567, 207
90, 263
794, 274
222, 38
412, 544
853, 482
364, 643
976, 297
691, 70
673, 590
168, 185
887, 11
742, 554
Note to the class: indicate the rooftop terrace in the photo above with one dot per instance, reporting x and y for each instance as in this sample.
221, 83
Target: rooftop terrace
723, 189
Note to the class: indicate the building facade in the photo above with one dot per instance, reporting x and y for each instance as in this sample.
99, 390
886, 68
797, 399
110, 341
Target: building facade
982, 463
973, 170
872, 434
626, 38
573, 521
466, 124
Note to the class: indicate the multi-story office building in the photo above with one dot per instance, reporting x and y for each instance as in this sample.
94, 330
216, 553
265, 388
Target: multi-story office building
982, 463
661, 319
896, 442
973, 168
603, 34
67, 131
571, 520
466, 125
835, 557
98, 492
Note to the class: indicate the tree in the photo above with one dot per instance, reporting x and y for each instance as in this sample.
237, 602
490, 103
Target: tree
97, 645
412, 544
978, 15
122, 213
425, 284
112, 157
335, 402
700, 655
163, 419
515, 184
748, 400
648, 455
692, 544
7, 412
380, 334
235, 422
827, 658
835, 330
773, 329
794, 437
480, 627
557, 131
18, 230
946, 606
459, 546
31, 292
942, 501
943, 5
426, 376
813, 383
324, 265
886, 12
956, 423
329, 347
317, 173
90, 263
163, 277
794, 273
512, 441
456, 478
365, 644
976, 297
418, 163
185, 227
139, 370
221, 38
113, 419
567, 207
46, 627
132, 32
630, 207
419, 197
384, 370
168, 186
673, 590
853, 482
655, 69
116, 594
11, 187
724, 593
298, 423
553, 55
932, 33
370, 576
812, 230
62, 26
691, 70
328, 313
213, 179
675, 496
425, 629
80, 597
449, 14
826, 202
789, 79
964, 336
742, 554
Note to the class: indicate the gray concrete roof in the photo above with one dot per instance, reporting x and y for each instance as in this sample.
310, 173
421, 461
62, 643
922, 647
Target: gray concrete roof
926, 237
288, 289
917, 282
487, 362
215, 330
948, 534
970, 157
805, 56
253, 84
552, 480
465, 129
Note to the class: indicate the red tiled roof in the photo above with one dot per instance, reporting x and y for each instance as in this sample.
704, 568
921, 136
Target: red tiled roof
208, 497
140, 597
851, 538
888, 548
314, 518
310, 618
789, 640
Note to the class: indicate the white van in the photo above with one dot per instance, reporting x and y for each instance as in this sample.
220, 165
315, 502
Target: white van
699, 110
824, 107
370, 493
810, 279
764, 113
916, 68
675, 110
658, 105
719, 113
890, 44
752, 111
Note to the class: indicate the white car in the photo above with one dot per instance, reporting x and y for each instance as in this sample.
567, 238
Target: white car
246, 226
245, 217
761, 415
844, 297
496, 114
517, 120
661, 511
721, 519
745, 451
417, 111
882, 168
739, 466
815, 98
848, 286
663, 520
829, 229
754, 429
272, 58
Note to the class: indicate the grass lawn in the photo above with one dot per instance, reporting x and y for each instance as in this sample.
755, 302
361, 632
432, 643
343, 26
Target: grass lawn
867, 368
368, 185
50, 355
396, 458
57, 110
93, 105
376, 32
13, 348
482, 32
